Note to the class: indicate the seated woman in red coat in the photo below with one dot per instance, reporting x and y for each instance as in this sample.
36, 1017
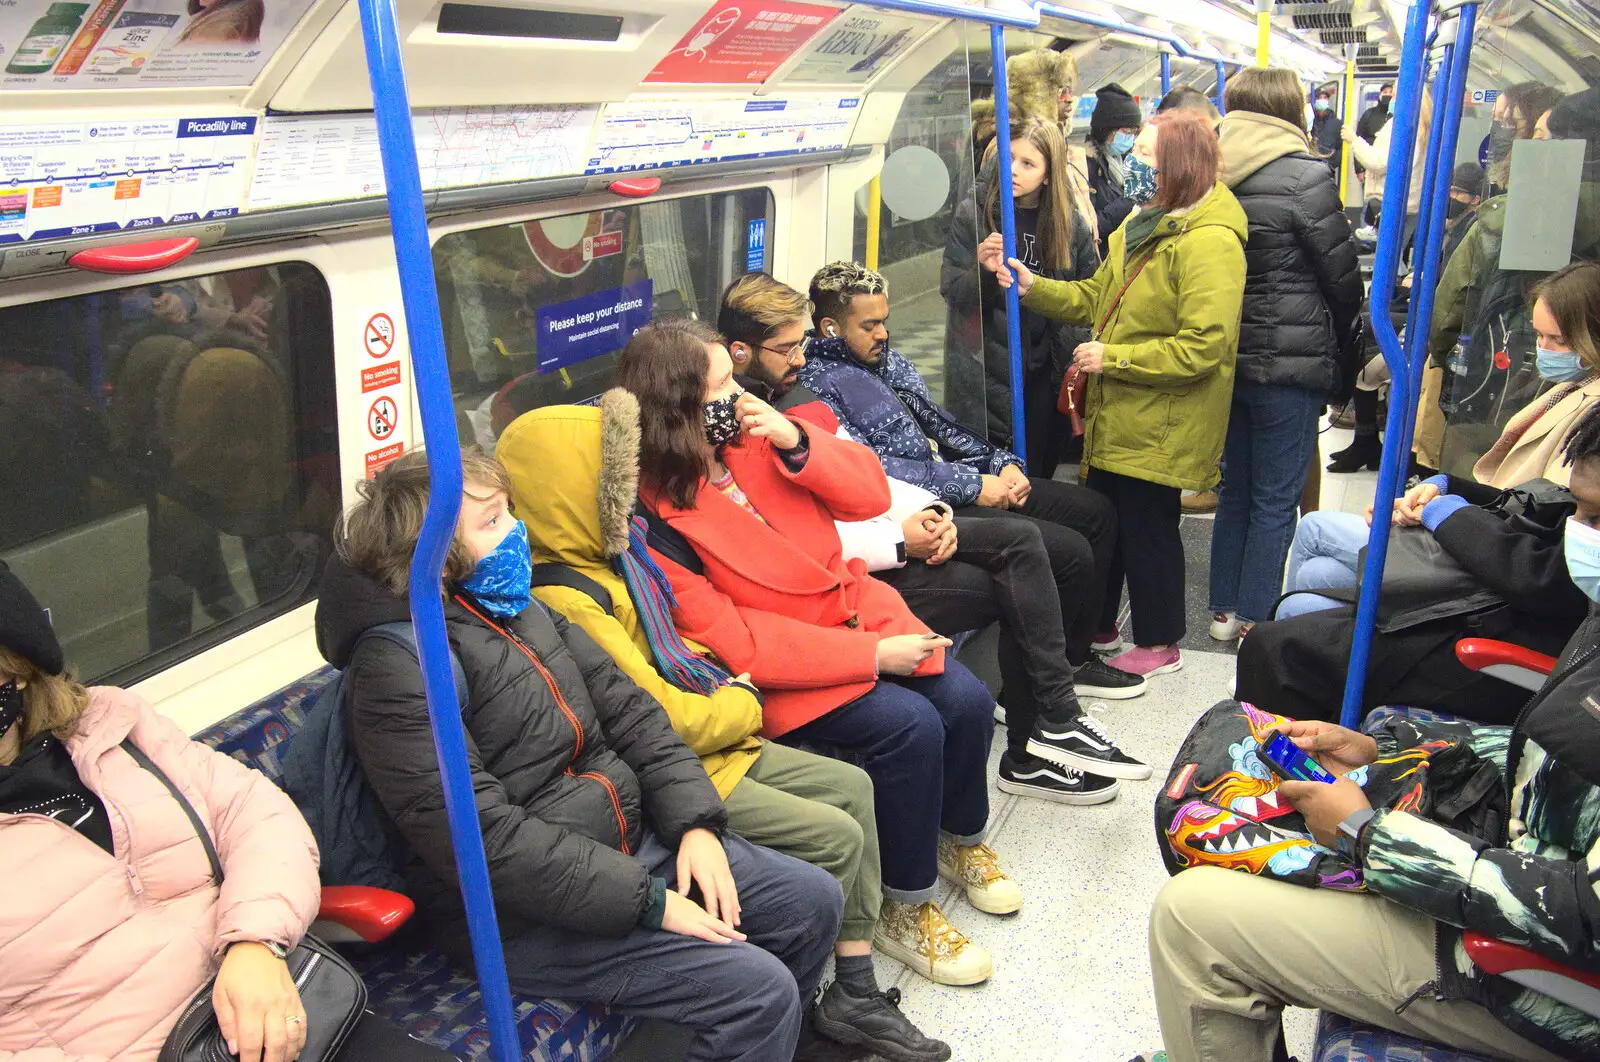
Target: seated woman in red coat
843, 664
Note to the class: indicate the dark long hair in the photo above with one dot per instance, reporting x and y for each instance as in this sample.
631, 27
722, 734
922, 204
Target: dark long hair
664, 365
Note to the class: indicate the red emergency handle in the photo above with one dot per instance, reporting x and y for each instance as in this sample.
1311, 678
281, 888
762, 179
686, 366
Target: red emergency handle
637, 187
145, 257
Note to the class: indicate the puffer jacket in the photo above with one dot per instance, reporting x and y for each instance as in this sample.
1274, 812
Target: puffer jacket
970, 290
574, 480
1158, 409
570, 761
100, 952
888, 407
1531, 882
1302, 290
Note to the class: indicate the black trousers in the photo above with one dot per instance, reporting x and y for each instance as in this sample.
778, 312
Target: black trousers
1049, 431
1148, 557
1001, 572
375, 1039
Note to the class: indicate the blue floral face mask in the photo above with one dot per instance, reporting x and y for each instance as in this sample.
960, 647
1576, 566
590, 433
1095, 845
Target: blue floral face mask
1140, 182
503, 580
1121, 143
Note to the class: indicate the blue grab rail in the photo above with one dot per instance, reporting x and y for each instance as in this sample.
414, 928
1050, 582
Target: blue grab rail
419, 294
1166, 74
1008, 235
1222, 88
1406, 363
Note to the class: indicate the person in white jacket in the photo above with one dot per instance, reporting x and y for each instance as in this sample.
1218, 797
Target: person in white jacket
955, 573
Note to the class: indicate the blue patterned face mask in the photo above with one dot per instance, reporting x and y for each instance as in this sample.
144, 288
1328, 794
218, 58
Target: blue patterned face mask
1140, 182
503, 580
1122, 143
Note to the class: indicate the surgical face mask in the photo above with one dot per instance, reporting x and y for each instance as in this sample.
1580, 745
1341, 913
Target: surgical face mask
1501, 136
1121, 143
722, 420
1140, 181
1559, 366
10, 706
502, 581
1323, 106
1582, 547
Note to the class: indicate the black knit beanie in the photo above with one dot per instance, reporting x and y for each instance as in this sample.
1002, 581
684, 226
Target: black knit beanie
24, 628
1115, 108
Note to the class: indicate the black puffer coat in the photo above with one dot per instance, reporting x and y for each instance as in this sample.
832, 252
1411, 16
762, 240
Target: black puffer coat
1303, 290
570, 762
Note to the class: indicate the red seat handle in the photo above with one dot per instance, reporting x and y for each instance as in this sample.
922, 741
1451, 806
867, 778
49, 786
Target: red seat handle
145, 257
636, 187
1476, 654
1499, 958
372, 914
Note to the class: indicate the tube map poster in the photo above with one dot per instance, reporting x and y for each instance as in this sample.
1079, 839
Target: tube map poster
105, 44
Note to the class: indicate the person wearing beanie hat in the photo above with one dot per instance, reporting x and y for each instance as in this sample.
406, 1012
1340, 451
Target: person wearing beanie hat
1578, 118
1112, 128
25, 628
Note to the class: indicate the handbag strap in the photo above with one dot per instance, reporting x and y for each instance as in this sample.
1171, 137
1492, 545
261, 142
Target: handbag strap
148, 764
1116, 302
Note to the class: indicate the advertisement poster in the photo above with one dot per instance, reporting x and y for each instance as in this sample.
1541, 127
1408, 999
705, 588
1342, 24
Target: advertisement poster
741, 43
78, 178
857, 47
94, 44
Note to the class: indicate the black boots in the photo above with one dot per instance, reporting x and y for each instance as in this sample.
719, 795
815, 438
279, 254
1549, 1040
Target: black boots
1366, 451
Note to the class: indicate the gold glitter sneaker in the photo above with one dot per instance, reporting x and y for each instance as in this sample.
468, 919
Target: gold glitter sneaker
919, 935
977, 868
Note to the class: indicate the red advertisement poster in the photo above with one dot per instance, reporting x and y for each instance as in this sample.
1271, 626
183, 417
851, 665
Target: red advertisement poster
741, 43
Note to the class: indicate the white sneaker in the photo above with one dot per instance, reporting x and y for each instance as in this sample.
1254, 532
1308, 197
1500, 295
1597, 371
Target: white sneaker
919, 935
999, 714
1225, 626
977, 868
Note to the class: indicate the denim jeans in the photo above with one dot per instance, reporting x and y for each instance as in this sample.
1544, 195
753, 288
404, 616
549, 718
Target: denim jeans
1325, 555
1272, 432
924, 742
744, 1001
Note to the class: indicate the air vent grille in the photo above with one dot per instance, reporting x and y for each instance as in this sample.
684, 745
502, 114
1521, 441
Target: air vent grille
1322, 22
1344, 36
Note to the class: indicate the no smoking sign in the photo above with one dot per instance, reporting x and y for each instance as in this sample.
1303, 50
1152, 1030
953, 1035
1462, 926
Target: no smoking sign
378, 335
382, 418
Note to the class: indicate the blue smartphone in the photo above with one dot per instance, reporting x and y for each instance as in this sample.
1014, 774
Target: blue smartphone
1290, 761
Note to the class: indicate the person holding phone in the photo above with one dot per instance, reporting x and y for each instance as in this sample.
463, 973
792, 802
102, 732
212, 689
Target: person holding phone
844, 664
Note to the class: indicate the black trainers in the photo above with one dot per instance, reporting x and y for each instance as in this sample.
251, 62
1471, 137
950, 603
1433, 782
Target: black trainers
1030, 776
1083, 744
876, 1023
1096, 678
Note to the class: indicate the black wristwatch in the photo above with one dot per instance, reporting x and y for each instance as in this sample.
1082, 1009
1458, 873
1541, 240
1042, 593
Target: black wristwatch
1350, 833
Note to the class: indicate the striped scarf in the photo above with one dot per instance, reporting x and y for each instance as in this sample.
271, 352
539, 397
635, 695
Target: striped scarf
653, 600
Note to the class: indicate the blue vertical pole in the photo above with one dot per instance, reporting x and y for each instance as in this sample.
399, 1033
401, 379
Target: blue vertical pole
1430, 174
1166, 74
1008, 235
419, 294
1222, 86
1385, 270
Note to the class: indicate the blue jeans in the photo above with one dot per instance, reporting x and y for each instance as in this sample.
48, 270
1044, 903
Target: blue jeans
1272, 432
1324, 556
924, 742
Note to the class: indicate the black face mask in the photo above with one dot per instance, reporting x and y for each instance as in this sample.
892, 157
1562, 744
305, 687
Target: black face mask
721, 420
10, 706
1501, 136
1455, 209
1383, 104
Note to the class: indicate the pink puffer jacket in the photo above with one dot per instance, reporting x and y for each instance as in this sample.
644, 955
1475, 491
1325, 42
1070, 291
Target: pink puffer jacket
99, 952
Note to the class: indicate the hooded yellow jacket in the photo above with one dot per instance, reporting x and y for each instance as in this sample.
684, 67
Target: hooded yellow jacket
574, 477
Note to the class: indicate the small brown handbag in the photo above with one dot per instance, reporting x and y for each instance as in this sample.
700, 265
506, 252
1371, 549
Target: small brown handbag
1075, 385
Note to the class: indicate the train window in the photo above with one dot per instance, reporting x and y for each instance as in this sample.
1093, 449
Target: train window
169, 461
585, 282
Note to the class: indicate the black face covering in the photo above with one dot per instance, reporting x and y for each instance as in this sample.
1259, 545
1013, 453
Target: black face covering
721, 420
1501, 136
10, 706
1383, 104
1455, 209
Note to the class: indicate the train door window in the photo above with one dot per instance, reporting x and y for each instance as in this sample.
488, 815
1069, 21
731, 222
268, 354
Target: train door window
169, 461
927, 248
598, 276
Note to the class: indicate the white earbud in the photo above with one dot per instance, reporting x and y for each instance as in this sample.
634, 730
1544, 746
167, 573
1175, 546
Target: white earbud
832, 331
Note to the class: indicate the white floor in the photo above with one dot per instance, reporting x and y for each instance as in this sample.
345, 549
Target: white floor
1072, 976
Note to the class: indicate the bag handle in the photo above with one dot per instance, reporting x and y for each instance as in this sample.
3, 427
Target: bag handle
148, 764
1116, 302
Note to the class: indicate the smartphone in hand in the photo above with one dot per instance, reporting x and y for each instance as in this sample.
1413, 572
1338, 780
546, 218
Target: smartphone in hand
1290, 761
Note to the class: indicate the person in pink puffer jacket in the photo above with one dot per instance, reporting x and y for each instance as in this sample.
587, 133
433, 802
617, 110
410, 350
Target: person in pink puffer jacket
110, 922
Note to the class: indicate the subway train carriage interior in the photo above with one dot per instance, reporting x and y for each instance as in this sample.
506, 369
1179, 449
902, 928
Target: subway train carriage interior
870, 603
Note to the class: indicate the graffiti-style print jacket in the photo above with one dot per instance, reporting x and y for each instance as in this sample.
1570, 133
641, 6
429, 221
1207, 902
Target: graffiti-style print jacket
888, 407
1534, 882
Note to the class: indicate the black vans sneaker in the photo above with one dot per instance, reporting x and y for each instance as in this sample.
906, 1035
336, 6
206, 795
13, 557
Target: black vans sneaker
1084, 744
1030, 776
1096, 678
876, 1023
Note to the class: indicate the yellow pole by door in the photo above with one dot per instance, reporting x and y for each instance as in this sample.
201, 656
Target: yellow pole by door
1349, 120
874, 212
1263, 31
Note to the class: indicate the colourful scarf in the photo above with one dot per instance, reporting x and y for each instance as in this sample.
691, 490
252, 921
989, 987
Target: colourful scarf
654, 601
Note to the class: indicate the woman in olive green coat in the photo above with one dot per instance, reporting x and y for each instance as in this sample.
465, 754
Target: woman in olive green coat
1164, 307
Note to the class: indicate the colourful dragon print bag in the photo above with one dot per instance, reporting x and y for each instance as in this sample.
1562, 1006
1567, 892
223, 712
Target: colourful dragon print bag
1220, 806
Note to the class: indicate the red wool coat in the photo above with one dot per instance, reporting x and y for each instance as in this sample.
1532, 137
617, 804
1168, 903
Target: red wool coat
776, 598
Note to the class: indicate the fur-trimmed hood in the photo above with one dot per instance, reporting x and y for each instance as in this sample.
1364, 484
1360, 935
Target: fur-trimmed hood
1038, 79
575, 478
